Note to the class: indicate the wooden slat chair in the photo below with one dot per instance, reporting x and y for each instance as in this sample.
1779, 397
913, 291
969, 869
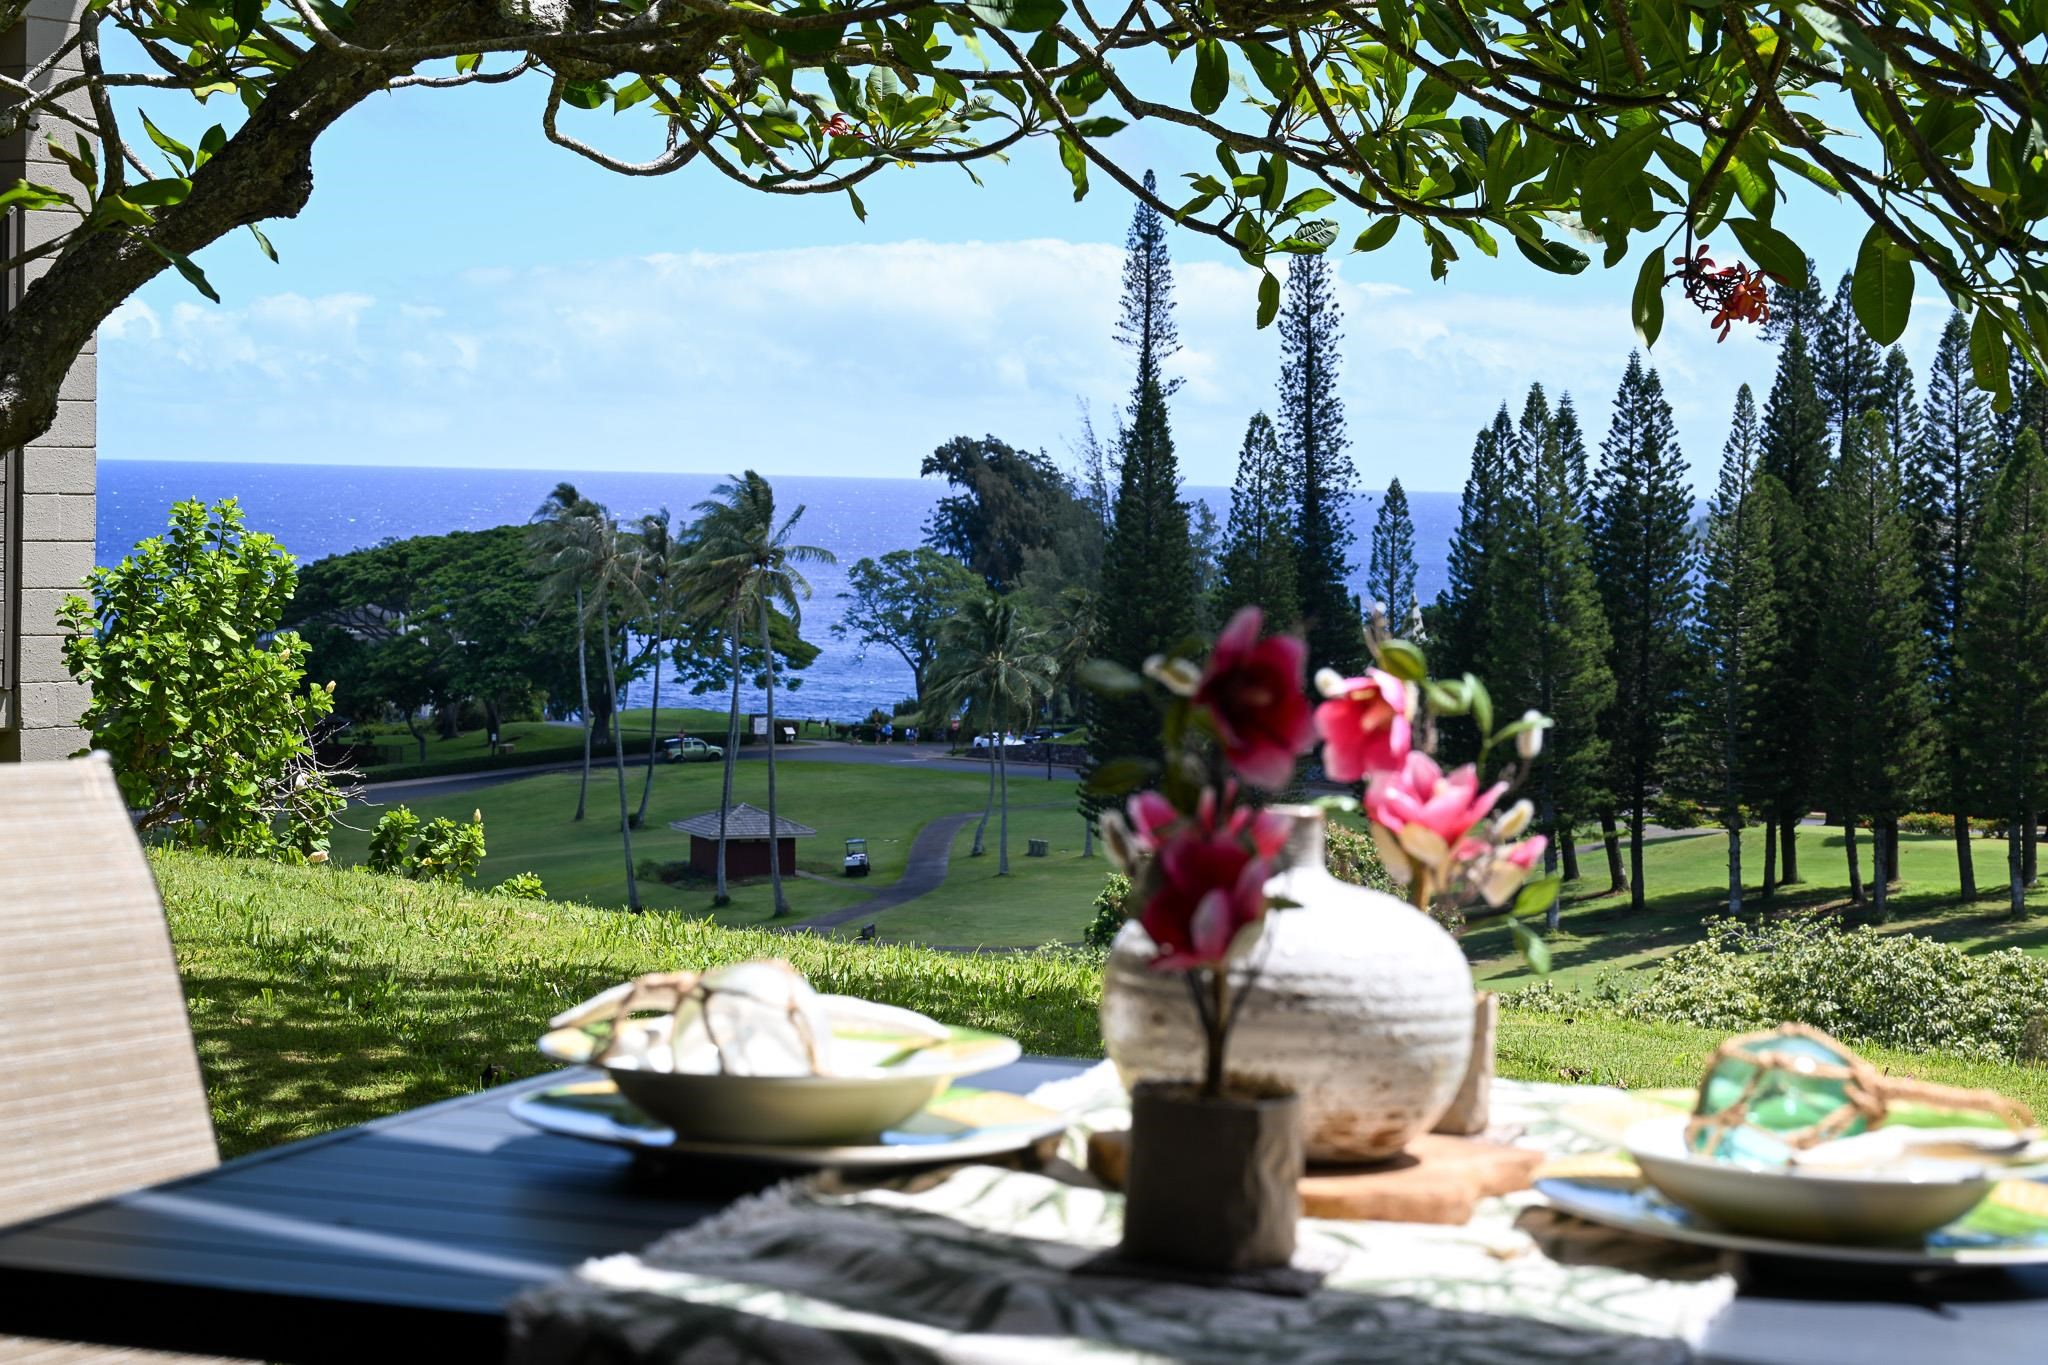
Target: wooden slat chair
102, 1091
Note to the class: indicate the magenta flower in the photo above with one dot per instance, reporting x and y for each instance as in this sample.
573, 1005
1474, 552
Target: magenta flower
1425, 813
1367, 724
1253, 689
1208, 887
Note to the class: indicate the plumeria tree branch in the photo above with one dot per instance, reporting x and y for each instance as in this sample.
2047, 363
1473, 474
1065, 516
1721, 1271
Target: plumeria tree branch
1568, 132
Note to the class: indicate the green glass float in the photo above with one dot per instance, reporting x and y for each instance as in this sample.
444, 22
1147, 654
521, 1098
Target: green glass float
1769, 1095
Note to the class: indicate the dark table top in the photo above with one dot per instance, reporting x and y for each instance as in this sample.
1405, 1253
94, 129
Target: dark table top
402, 1240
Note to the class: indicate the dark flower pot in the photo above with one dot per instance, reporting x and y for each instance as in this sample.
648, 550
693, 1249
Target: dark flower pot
1213, 1184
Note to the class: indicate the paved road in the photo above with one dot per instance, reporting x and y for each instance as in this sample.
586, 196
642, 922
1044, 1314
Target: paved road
810, 751
931, 852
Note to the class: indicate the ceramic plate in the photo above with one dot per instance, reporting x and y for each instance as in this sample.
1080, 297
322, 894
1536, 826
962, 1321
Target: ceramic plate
2010, 1227
895, 1062
959, 1125
1813, 1206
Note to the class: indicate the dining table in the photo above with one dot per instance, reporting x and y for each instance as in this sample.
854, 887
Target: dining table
405, 1238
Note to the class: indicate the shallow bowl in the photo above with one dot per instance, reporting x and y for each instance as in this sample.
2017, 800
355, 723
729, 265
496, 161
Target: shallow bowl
1806, 1206
893, 1062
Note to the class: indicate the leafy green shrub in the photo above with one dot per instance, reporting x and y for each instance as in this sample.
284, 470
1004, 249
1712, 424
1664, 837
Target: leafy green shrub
441, 850
198, 697
1927, 822
1894, 990
1352, 857
523, 886
1109, 911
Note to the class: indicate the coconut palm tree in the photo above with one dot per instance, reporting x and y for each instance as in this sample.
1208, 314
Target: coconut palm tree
608, 563
745, 565
989, 659
663, 558
1072, 643
558, 522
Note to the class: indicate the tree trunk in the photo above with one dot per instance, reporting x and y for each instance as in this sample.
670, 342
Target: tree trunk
1966, 865
1635, 858
1087, 837
1735, 868
981, 830
1891, 850
1880, 867
774, 821
493, 723
583, 696
1788, 855
419, 736
732, 756
2031, 837
1855, 859
1770, 857
1617, 880
2015, 863
653, 740
1003, 829
1569, 853
619, 766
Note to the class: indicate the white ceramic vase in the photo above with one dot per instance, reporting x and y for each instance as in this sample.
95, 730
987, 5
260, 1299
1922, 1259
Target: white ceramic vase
1359, 1003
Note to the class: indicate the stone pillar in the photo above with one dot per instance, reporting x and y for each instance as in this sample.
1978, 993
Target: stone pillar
47, 489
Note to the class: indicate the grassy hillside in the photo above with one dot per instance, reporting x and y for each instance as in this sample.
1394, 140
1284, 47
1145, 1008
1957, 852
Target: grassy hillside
326, 996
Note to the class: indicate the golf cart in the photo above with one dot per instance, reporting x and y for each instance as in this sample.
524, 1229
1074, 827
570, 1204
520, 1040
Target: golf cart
856, 857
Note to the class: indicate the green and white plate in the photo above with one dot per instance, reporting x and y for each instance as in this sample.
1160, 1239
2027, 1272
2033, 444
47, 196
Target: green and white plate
960, 1125
2010, 1227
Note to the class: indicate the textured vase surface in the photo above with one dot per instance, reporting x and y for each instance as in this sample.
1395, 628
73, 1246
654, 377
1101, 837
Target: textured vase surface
1360, 1004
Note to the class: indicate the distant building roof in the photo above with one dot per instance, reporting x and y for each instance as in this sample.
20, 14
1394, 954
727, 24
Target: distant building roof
741, 822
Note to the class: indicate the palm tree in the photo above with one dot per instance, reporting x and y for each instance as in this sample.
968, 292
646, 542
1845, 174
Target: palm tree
662, 572
745, 563
1071, 643
557, 523
609, 563
988, 658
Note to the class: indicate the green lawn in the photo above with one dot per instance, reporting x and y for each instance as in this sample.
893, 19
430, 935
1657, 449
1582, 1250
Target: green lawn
1043, 900
323, 996
326, 996
1687, 880
528, 827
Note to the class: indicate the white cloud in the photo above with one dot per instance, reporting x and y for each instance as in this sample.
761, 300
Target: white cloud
853, 359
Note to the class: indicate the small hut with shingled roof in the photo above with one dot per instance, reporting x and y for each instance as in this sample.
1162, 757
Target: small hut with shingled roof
746, 842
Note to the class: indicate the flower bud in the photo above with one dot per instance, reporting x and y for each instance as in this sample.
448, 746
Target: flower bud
318, 855
1178, 676
1514, 820
476, 817
1529, 742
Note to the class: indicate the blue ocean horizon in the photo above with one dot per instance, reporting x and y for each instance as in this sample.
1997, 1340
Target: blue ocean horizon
322, 510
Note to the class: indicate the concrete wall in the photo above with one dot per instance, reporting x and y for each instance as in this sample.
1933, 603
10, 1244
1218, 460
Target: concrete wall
47, 489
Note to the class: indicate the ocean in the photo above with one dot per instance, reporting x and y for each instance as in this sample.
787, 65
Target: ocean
320, 510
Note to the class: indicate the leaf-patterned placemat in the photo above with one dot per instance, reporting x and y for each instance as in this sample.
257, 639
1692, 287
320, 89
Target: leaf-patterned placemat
972, 1264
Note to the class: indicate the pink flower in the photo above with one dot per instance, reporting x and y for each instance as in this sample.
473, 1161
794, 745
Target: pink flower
1367, 723
1510, 867
1426, 813
1207, 889
1253, 688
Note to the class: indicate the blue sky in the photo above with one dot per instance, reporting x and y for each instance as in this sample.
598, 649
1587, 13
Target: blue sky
459, 292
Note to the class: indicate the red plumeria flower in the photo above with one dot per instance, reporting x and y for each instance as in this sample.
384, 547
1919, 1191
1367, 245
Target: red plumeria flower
1207, 890
1252, 688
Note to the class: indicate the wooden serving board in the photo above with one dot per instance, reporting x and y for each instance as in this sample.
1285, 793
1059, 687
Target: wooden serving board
1438, 1179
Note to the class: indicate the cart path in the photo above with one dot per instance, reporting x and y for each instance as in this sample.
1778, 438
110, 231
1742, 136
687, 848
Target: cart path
931, 853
